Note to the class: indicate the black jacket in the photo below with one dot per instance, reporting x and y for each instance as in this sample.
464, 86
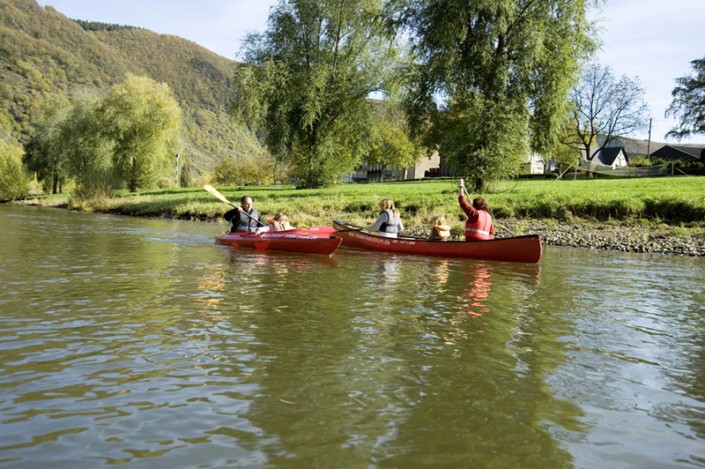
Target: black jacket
243, 223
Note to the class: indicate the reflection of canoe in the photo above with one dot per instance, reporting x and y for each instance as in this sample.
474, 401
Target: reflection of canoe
296, 240
517, 249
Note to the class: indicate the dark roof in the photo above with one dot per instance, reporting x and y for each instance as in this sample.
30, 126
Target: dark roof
676, 152
632, 146
609, 154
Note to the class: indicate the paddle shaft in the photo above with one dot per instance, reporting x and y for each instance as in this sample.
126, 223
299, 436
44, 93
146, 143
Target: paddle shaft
212, 190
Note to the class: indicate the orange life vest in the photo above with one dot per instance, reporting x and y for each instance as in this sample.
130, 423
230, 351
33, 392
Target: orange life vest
442, 232
479, 229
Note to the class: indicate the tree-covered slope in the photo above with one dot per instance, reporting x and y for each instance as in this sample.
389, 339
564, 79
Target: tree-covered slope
43, 52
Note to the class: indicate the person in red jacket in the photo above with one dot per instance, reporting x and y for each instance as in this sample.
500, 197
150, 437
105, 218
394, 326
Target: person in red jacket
478, 226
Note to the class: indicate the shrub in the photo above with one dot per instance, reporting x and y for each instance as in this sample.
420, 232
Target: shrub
13, 178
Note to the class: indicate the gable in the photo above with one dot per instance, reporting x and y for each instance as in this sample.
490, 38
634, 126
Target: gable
608, 156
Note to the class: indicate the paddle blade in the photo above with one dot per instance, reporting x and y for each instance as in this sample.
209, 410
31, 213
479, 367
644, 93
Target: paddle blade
217, 194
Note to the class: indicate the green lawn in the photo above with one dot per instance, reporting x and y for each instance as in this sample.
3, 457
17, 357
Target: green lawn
673, 200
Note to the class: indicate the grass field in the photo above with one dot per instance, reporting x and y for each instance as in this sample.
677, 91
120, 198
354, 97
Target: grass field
672, 200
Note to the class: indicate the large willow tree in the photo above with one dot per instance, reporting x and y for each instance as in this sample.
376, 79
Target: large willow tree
306, 79
502, 70
142, 120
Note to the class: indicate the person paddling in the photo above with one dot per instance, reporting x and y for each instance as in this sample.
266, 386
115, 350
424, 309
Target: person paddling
478, 226
245, 218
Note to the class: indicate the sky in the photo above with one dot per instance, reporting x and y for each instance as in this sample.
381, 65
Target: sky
652, 41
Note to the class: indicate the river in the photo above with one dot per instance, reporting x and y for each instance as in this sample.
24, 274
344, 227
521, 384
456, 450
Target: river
141, 342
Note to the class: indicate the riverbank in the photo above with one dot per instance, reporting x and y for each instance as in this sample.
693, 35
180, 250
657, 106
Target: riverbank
619, 215
612, 236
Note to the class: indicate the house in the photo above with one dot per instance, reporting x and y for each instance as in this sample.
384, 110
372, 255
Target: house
533, 164
614, 157
425, 167
680, 152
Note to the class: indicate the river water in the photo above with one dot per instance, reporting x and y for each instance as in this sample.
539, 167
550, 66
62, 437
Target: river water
140, 342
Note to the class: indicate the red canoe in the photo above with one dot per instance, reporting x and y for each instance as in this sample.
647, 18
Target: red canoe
517, 249
310, 241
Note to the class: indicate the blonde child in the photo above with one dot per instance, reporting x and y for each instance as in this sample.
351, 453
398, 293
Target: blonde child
439, 231
280, 222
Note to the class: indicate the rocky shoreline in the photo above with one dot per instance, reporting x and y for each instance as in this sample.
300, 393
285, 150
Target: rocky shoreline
661, 239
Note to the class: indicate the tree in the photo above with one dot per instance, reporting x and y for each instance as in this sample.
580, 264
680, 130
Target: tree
142, 119
243, 171
606, 107
390, 145
503, 70
306, 82
688, 105
87, 151
43, 155
13, 180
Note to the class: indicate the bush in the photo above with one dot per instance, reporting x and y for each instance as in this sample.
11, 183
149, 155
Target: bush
165, 182
13, 178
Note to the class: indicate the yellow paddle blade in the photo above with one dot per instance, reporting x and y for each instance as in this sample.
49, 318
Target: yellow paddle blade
217, 194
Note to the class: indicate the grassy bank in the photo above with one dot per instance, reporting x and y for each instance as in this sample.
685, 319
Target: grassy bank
677, 201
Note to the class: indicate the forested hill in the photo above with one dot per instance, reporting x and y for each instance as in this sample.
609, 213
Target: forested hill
42, 52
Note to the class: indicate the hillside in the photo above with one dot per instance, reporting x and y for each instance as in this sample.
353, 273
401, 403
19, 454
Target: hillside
43, 51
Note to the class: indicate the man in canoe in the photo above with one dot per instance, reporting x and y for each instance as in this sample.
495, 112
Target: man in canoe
478, 226
245, 218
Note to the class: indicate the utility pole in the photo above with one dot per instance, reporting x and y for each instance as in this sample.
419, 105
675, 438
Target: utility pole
648, 145
176, 177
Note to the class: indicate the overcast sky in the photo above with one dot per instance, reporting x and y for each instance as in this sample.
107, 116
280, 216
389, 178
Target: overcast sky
653, 41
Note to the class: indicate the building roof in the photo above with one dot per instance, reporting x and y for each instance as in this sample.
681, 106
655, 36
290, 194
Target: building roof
609, 154
674, 152
632, 146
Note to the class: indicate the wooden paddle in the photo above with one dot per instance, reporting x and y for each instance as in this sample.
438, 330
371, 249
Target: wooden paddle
221, 197
348, 229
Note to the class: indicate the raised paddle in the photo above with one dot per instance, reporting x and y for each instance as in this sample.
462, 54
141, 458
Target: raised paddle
220, 196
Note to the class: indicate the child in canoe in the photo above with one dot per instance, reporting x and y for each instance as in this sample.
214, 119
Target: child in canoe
440, 231
280, 222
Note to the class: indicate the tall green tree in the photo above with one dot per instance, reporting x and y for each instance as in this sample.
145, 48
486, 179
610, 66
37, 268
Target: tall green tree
688, 105
87, 150
306, 81
43, 152
142, 119
502, 70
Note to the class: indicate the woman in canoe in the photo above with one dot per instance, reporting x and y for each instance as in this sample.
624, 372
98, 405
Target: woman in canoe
388, 223
478, 226
245, 218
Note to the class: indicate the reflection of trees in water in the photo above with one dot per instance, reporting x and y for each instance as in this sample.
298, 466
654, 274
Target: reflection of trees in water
486, 391
313, 370
378, 363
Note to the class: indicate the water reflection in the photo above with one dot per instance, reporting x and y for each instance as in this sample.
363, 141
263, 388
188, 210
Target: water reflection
375, 348
480, 285
141, 342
